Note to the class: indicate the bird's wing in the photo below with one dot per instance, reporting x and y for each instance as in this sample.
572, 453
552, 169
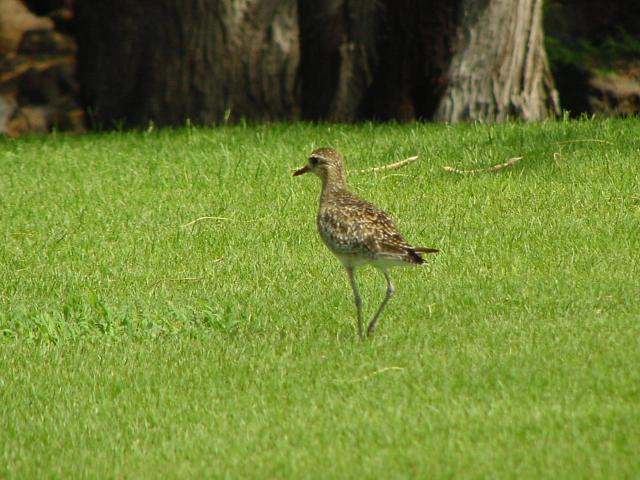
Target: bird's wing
371, 226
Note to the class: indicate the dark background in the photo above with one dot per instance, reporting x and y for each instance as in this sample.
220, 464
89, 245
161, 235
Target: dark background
121, 63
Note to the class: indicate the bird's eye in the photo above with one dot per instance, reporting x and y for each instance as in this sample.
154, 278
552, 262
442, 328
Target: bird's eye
313, 161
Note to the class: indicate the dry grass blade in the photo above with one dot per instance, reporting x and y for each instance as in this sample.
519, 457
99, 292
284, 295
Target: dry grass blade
226, 219
193, 222
595, 140
475, 171
391, 166
377, 372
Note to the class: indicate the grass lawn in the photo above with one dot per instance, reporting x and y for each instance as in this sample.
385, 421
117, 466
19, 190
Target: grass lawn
167, 309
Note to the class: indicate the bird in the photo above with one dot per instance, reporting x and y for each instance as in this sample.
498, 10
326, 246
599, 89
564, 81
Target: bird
356, 231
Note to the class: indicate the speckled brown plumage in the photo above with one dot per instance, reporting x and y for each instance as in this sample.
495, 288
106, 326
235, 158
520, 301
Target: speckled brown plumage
355, 230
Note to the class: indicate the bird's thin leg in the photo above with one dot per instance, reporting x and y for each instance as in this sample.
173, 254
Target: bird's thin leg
372, 324
356, 299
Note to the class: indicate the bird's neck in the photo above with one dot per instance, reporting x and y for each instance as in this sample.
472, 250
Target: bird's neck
334, 182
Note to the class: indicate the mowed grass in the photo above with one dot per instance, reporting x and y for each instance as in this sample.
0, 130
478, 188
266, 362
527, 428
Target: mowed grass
167, 309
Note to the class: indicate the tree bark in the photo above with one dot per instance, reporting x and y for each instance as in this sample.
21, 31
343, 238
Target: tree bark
167, 61
412, 57
500, 68
336, 43
214, 61
384, 60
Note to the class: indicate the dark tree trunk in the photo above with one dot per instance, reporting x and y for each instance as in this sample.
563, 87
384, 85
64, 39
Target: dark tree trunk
385, 60
167, 61
413, 52
220, 60
500, 67
336, 44
404, 59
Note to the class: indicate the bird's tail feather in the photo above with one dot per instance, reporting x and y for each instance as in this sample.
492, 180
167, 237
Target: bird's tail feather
414, 251
425, 250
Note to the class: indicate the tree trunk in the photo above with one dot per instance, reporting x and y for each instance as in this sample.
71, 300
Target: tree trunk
500, 68
336, 43
383, 60
167, 61
221, 60
413, 53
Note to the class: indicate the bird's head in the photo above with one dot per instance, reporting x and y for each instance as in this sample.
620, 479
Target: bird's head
325, 162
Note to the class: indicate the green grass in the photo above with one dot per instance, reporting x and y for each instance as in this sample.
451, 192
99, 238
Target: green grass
135, 343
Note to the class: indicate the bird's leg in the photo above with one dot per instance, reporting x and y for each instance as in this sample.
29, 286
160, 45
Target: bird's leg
372, 324
356, 298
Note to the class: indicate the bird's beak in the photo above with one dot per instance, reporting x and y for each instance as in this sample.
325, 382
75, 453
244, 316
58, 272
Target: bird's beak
301, 170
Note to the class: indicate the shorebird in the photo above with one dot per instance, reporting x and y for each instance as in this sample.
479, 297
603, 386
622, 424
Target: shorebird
356, 231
